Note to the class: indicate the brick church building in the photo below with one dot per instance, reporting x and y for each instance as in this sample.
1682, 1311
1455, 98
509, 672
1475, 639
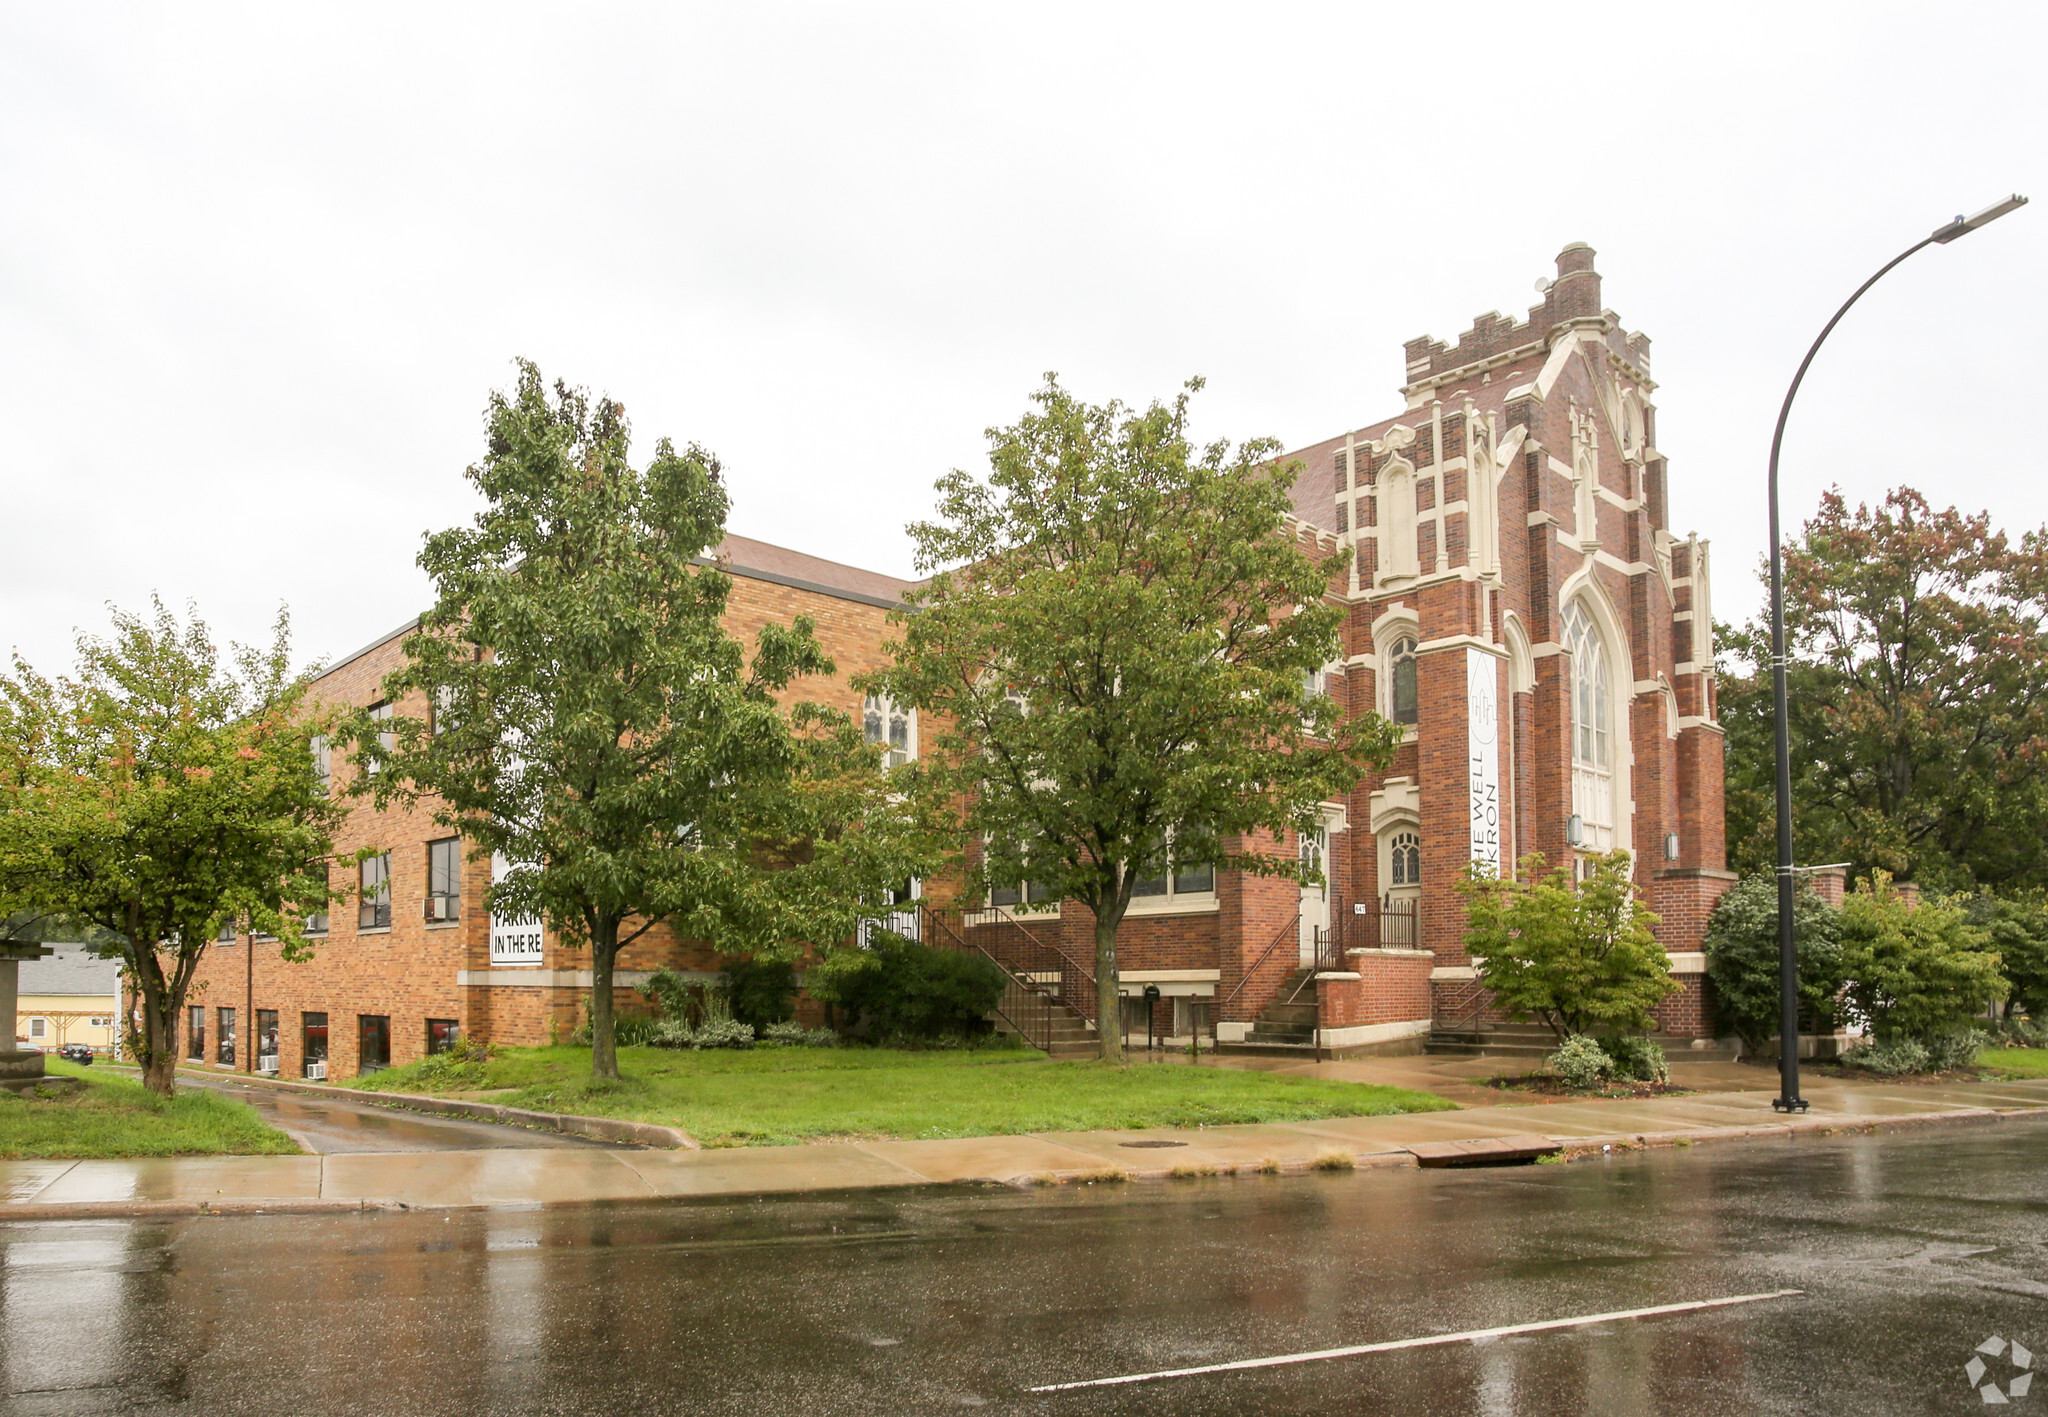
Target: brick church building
1516, 601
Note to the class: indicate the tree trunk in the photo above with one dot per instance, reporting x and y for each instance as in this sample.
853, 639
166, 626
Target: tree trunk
160, 1040
1109, 1004
604, 950
156, 1046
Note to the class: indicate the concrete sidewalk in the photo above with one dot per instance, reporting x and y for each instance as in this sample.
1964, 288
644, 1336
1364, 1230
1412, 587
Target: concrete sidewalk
522, 1178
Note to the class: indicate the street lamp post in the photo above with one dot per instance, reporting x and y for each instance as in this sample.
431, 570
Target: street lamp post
1788, 1099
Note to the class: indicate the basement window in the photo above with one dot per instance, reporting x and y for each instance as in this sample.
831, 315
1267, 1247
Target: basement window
373, 1042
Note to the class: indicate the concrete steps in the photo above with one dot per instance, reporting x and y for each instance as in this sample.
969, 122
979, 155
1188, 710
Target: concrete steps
1283, 1025
1072, 1035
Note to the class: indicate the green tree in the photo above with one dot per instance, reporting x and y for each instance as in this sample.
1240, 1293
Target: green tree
1918, 671
596, 726
1914, 971
163, 791
1742, 957
1113, 658
2015, 927
1579, 956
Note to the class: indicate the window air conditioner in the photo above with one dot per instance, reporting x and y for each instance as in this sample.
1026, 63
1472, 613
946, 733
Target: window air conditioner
317, 1072
439, 907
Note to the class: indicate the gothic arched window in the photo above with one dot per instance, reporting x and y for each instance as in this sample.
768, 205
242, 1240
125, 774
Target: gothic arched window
1401, 700
1592, 729
1404, 860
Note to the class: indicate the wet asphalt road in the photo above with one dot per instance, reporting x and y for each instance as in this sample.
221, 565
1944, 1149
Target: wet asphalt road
1910, 1250
333, 1126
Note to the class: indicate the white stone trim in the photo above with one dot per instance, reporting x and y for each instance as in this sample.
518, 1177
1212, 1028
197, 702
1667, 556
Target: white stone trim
1398, 799
1338, 974
1232, 1032
1362, 1033
1153, 906
1394, 954
1170, 976
1452, 973
1689, 962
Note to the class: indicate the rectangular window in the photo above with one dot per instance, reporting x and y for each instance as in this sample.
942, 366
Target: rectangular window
266, 1040
1032, 895
224, 1051
313, 1032
374, 909
442, 1034
373, 1042
386, 740
39, 1028
227, 931
1156, 882
444, 879
323, 764
316, 922
195, 1033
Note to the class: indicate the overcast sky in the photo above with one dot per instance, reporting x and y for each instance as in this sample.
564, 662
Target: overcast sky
259, 266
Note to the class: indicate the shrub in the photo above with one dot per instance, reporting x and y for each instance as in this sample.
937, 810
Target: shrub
1636, 1057
2016, 929
2015, 1031
1949, 1051
1742, 957
1891, 1059
898, 989
787, 1031
672, 995
1581, 1062
1914, 971
761, 992
1578, 956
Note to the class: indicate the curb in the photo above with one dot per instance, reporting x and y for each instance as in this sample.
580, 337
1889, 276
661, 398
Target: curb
568, 1123
1577, 1148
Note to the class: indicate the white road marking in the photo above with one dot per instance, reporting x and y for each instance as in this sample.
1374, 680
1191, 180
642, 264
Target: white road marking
1431, 1341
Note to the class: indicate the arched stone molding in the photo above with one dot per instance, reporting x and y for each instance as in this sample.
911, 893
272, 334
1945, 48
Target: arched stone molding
1394, 493
1521, 657
1585, 591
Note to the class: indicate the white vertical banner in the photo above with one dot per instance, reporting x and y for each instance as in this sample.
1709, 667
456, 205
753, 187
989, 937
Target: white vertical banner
1482, 754
513, 941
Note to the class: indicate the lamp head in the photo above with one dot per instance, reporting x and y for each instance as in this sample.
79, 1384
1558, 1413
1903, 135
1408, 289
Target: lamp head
1963, 225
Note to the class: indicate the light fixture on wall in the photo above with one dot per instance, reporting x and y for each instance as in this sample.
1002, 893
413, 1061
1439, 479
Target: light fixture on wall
1671, 846
1574, 831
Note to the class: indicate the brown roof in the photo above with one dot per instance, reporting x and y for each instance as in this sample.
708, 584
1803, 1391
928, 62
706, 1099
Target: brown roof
744, 556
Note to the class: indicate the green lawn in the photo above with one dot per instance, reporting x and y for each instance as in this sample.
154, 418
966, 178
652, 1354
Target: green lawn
2016, 1062
771, 1096
115, 1117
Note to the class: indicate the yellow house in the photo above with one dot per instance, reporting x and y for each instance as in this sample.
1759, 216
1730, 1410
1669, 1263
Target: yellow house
72, 996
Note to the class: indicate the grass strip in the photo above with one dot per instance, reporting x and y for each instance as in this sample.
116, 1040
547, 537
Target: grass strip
768, 1096
113, 1117
2015, 1062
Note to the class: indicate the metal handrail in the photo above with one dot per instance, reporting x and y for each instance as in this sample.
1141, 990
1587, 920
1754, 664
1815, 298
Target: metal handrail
1077, 986
1292, 927
1026, 1009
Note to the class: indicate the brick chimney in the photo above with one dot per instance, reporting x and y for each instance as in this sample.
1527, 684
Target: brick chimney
1907, 891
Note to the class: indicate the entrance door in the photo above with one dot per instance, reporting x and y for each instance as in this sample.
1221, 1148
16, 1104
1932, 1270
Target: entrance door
1315, 898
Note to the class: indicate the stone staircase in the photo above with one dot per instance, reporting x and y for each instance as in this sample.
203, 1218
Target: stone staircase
1072, 1035
1507, 1040
1285, 1027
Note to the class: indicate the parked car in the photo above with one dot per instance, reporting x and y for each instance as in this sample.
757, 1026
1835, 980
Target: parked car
76, 1053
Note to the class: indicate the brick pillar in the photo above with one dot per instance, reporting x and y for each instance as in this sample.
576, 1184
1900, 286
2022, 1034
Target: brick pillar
1702, 815
1830, 884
